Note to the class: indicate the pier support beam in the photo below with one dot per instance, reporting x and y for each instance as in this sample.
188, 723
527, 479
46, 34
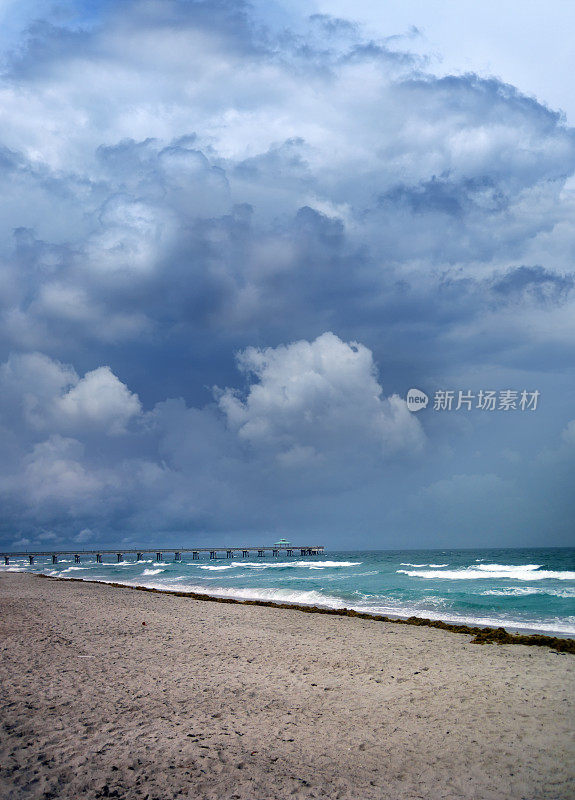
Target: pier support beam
121, 555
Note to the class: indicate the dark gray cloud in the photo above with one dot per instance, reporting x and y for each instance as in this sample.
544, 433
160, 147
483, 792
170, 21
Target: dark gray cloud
182, 185
536, 282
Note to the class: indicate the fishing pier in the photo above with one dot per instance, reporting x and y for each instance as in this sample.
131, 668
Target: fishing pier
140, 552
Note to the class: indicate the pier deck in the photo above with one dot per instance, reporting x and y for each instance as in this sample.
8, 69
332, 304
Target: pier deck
120, 552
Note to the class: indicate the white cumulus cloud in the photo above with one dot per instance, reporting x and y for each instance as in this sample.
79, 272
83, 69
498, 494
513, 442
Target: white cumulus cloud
54, 397
314, 399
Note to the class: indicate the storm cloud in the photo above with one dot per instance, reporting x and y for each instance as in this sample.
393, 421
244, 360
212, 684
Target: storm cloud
226, 253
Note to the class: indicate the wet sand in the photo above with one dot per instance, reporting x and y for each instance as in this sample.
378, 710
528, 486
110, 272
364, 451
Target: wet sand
211, 700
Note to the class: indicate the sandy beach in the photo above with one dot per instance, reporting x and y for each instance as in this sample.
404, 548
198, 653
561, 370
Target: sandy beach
211, 700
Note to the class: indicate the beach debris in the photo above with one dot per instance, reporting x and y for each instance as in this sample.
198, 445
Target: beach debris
482, 635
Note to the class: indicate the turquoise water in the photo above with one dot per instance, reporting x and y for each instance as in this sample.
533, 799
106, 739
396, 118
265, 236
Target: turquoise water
531, 590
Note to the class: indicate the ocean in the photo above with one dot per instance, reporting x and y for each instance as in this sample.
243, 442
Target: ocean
528, 590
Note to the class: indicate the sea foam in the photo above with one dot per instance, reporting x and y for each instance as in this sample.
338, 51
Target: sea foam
527, 591
259, 565
399, 611
521, 572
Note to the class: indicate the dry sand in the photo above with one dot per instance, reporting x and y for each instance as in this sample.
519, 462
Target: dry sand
230, 701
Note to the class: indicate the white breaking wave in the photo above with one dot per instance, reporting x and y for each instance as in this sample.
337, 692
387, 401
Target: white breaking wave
280, 565
565, 627
526, 591
152, 571
407, 564
510, 567
310, 598
521, 572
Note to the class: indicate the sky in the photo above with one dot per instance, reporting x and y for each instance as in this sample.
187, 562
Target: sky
234, 236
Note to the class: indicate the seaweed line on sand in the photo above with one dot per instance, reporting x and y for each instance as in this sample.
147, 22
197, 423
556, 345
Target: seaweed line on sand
482, 635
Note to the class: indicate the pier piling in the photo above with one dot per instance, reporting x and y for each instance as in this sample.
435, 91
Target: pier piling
274, 550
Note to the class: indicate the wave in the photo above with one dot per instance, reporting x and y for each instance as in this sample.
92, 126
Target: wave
407, 564
565, 627
510, 567
277, 595
280, 565
526, 591
152, 571
521, 572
